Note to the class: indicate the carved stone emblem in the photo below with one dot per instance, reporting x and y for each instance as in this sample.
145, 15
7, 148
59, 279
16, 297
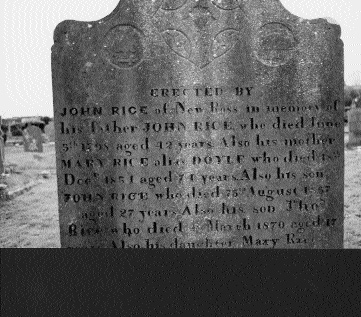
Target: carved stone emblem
199, 30
123, 47
275, 44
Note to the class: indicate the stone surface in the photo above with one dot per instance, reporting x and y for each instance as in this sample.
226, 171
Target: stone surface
199, 124
50, 131
33, 140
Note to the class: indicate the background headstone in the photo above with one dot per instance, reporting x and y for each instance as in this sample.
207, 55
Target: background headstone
50, 131
32, 139
354, 121
199, 124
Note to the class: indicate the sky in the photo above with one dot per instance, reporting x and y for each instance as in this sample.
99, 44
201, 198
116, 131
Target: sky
27, 36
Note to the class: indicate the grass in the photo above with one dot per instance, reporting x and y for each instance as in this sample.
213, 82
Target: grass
27, 166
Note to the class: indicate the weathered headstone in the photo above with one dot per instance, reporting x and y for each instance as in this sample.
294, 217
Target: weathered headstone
199, 124
33, 141
50, 131
354, 121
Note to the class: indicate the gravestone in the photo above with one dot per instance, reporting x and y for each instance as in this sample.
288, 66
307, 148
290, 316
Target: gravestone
199, 124
33, 141
354, 121
50, 131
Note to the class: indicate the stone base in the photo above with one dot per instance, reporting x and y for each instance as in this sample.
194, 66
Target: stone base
8, 195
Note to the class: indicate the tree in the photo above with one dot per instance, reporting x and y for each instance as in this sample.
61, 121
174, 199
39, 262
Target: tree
351, 94
348, 98
46, 120
4, 128
16, 129
355, 93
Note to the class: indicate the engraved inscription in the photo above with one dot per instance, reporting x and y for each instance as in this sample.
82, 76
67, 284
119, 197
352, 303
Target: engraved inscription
159, 186
123, 46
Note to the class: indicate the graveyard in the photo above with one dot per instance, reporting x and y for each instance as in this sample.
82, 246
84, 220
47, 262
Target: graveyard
190, 124
30, 219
